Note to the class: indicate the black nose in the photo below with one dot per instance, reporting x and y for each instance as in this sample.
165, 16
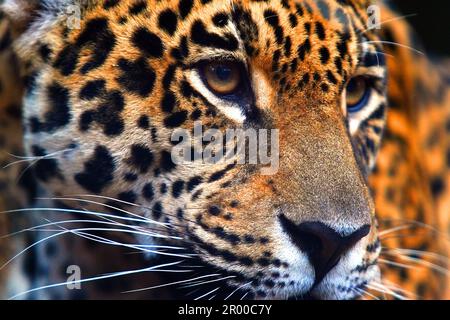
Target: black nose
323, 245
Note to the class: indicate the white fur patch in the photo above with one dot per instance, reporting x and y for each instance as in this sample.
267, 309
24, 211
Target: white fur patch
38, 16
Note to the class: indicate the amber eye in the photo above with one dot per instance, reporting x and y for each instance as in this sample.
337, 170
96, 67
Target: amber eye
222, 77
357, 94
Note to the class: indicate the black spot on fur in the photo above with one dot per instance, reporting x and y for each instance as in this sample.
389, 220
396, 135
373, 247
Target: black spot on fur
137, 77
177, 188
220, 174
138, 7
30, 264
169, 76
148, 192
196, 114
45, 169
176, 119
109, 4
182, 51
304, 80
214, 210
157, 210
148, 42
437, 186
201, 36
166, 162
320, 30
45, 52
271, 17
108, 115
127, 196
144, 122
293, 20
186, 90
163, 188
193, 183
168, 102
248, 29
342, 46
98, 37
6, 41
141, 158
168, 21
303, 49
130, 177
220, 19
249, 239
287, 47
28, 183
58, 115
234, 204
185, 7
324, 55
92, 89
98, 171
331, 77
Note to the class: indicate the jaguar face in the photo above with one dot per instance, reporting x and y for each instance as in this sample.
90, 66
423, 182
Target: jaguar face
103, 101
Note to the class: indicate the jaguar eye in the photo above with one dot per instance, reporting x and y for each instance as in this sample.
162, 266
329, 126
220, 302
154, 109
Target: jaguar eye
358, 93
222, 77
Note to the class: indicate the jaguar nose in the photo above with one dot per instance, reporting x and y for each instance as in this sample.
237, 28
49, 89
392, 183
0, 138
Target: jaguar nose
323, 245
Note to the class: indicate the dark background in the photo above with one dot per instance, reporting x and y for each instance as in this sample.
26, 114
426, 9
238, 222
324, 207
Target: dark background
432, 22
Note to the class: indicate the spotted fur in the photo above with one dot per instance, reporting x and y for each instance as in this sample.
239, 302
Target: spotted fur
99, 105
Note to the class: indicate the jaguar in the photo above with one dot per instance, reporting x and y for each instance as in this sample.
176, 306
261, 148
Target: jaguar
95, 207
